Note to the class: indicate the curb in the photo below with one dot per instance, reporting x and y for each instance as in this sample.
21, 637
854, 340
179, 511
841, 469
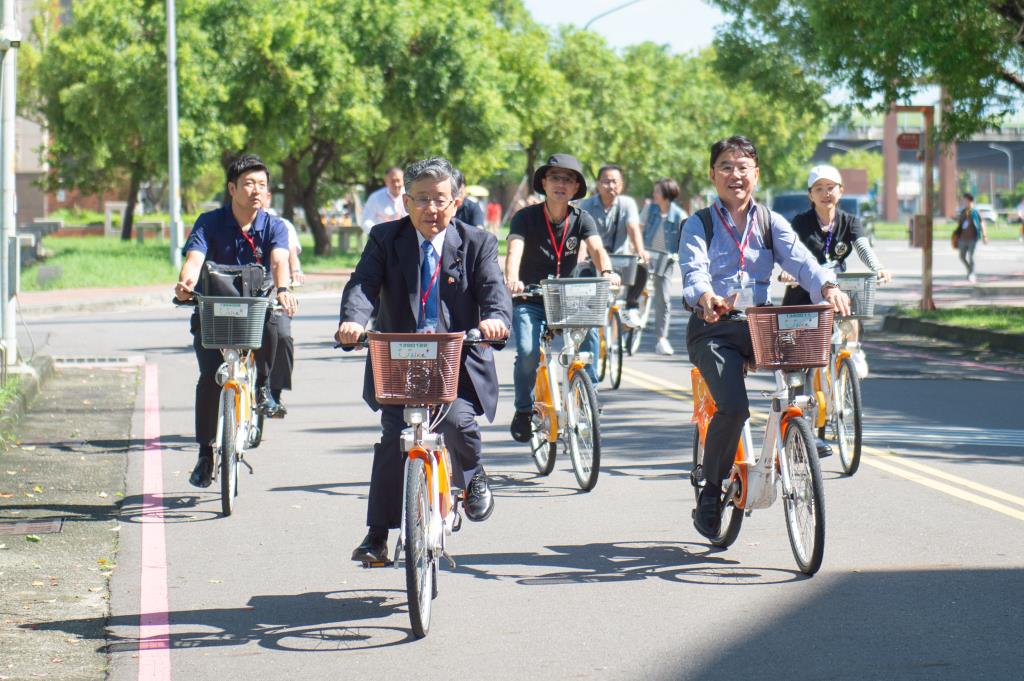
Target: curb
39, 370
1001, 340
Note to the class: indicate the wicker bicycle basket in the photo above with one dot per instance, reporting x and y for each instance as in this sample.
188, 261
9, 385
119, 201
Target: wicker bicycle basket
415, 368
790, 336
232, 322
575, 303
626, 266
861, 289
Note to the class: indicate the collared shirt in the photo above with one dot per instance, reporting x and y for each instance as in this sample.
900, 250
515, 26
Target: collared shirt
540, 256
217, 235
381, 206
612, 222
714, 267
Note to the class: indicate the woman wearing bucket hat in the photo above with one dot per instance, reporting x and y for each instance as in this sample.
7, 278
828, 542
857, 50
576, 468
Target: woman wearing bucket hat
545, 241
831, 235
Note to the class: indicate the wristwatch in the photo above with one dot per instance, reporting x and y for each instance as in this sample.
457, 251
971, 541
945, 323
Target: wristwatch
282, 289
827, 285
603, 272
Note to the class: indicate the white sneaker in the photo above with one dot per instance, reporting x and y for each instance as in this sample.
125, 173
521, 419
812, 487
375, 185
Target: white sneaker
971, 278
663, 347
860, 363
631, 317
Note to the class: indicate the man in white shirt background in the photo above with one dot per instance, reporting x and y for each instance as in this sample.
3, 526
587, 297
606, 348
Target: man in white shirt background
385, 204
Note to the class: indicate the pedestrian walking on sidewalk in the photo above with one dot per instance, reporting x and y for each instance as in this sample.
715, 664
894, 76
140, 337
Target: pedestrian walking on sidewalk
969, 226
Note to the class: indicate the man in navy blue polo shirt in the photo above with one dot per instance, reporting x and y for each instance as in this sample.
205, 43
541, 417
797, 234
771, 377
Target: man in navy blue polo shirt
239, 233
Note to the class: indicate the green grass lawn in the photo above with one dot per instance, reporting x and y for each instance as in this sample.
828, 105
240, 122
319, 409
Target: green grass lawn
1010, 319
91, 261
944, 228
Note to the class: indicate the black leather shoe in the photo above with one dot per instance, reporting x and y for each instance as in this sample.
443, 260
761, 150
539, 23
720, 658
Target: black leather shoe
522, 426
266, 404
708, 516
479, 500
374, 549
202, 474
824, 448
282, 411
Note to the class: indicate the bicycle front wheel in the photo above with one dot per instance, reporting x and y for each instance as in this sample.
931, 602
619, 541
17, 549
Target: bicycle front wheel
419, 568
848, 425
615, 351
804, 501
585, 438
602, 348
228, 454
732, 517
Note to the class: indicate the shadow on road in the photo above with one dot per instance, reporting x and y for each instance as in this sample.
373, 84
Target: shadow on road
318, 621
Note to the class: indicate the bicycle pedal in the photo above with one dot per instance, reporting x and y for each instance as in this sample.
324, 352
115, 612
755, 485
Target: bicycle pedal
369, 565
457, 523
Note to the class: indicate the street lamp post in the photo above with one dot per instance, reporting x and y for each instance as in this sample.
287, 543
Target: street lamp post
607, 12
174, 190
1009, 161
10, 40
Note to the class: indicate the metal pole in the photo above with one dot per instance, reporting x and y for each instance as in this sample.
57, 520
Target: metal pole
606, 13
9, 42
927, 301
174, 190
1009, 164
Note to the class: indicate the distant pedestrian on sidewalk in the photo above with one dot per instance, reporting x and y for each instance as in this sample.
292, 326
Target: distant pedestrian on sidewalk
969, 226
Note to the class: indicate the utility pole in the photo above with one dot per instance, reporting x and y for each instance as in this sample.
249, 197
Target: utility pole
10, 40
927, 300
174, 190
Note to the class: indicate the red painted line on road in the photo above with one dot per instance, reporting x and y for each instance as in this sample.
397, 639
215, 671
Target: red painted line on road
893, 350
154, 628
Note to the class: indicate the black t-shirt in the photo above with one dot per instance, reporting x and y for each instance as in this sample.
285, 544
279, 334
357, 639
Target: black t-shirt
847, 230
539, 258
471, 213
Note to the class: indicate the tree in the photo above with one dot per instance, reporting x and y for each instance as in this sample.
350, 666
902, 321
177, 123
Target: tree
881, 52
101, 86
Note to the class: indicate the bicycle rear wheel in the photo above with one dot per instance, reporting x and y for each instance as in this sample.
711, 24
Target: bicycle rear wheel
544, 450
602, 348
614, 351
256, 430
848, 417
634, 335
585, 438
804, 503
732, 517
419, 568
228, 454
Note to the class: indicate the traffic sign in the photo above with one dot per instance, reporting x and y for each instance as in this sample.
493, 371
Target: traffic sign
908, 140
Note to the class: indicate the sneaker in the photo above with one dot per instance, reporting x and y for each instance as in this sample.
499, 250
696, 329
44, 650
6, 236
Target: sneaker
860, 363
479, 500
631, 317
522, 426
202, 474
972, 279
663, 347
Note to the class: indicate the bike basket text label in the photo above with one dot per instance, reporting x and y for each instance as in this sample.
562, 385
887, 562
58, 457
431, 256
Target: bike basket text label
230, 310
798, 320
579, 290
413, 350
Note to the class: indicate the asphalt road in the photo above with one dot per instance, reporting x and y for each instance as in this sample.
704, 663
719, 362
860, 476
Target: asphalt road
922, 576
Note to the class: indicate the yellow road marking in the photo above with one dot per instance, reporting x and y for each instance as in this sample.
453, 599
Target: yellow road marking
878, 458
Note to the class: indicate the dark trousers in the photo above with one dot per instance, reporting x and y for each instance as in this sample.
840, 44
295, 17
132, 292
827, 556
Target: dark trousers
281, 374
719, 350
207, 390
461, 437
634, 290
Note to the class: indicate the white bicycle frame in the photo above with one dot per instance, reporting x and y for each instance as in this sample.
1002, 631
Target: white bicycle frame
558, 375
763, 473
231, 370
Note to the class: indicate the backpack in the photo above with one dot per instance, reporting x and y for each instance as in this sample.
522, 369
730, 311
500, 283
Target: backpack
764, 221
247, 281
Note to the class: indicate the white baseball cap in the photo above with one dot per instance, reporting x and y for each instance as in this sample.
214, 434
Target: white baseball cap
824, 173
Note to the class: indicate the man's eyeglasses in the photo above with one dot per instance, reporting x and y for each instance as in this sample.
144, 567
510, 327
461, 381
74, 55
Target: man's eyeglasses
741, 170
438, 203
558, 177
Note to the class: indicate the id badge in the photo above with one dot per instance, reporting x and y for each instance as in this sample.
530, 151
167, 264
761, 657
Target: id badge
743, 290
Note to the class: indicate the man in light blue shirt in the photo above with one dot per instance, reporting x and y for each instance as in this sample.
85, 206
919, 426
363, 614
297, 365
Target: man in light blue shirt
730, 273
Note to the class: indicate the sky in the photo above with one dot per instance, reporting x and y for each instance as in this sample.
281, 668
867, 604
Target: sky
685, 25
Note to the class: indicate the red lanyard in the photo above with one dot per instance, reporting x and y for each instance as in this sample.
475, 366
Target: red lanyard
426, 294
558, 247
252, 243
751, 223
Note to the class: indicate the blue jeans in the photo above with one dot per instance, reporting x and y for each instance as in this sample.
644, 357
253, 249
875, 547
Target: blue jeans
528, 323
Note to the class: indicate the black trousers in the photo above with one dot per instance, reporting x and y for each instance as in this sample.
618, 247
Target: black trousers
719, 350
207, 390
284, 360
461, 437
634, 290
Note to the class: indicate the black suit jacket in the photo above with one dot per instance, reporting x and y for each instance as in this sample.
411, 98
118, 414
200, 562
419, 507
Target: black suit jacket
472, 288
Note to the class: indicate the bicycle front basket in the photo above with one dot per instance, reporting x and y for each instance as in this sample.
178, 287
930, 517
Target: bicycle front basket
575, 303
861, 289
415, 368
626, 266
790, 336
660, 261
232, 322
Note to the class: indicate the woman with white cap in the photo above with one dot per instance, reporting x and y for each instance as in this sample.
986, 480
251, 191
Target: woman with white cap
831, 235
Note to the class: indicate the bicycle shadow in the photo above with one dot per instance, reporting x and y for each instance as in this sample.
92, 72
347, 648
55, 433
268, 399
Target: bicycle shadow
318, 621
615, 562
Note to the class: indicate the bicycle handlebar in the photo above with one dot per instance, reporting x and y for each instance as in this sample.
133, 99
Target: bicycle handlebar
471, 338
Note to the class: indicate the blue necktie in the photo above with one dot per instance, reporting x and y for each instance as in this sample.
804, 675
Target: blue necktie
428, 311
